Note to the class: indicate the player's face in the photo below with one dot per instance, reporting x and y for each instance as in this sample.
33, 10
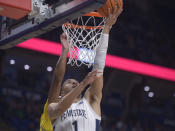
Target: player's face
68, 86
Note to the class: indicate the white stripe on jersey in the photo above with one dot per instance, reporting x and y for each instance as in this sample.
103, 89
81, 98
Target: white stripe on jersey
79, 117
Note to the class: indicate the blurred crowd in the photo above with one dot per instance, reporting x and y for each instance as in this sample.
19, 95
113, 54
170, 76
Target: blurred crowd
21, 107
144, 35
155, 114
19, 113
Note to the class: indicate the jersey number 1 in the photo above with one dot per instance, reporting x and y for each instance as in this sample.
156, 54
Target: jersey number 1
75, 124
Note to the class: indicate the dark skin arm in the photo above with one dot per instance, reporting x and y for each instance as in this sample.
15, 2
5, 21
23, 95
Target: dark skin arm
59, 72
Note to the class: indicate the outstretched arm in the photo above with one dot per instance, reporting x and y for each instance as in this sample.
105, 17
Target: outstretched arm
55, 110
94, 93
59, 72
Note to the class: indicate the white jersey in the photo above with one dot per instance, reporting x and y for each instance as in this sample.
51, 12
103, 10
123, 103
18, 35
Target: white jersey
79, 117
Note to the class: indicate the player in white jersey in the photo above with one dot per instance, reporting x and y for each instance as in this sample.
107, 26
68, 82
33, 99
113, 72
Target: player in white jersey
71, 112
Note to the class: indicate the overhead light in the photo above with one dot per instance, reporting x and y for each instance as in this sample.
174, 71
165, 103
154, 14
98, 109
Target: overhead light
174, 95
146, 88
26, 67
49, 68
151, 94
12, 62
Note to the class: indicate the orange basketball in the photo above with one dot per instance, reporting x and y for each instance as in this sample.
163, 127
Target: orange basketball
112, 4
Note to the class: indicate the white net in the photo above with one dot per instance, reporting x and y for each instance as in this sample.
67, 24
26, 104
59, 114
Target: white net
83, 35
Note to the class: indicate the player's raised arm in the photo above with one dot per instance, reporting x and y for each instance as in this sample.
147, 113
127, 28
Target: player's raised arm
94, 93
59, 72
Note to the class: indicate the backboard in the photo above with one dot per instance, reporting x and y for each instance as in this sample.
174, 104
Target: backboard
43, 18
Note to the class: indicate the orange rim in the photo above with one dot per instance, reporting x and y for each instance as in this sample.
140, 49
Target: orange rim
69, 25
96, 14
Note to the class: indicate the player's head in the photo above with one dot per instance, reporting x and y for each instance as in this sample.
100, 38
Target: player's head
68, 85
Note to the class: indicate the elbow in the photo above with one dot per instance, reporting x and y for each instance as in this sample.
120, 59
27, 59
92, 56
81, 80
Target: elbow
54, 111
50, 111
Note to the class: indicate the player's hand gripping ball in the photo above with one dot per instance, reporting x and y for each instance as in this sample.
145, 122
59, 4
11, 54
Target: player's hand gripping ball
112, 5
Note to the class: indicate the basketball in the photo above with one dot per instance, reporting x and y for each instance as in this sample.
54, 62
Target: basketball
110, 4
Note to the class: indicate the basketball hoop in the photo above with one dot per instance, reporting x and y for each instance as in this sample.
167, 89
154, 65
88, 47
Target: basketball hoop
83, 35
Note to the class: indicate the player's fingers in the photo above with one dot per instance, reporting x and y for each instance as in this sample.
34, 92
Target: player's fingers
119, 6
115, 11
109, 13
120, 3
119, 11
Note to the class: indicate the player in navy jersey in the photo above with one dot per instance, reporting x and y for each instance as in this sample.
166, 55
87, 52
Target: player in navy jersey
70, 112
